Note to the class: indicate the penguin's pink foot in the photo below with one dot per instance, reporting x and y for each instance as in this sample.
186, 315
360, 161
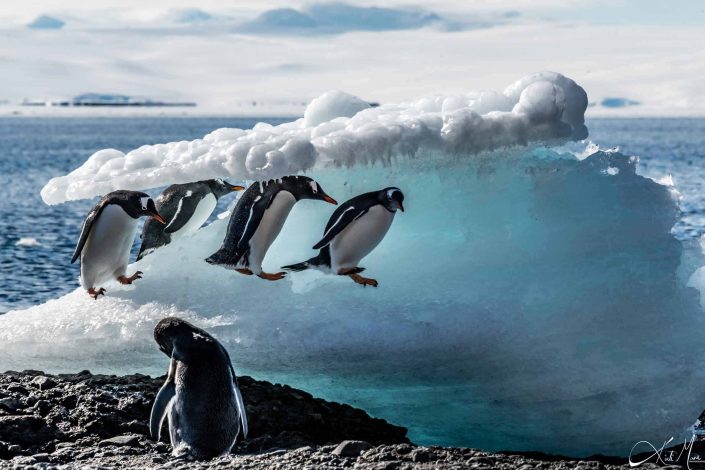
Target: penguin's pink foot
95, 293
130, 279
244, 271
364, 281
272, 277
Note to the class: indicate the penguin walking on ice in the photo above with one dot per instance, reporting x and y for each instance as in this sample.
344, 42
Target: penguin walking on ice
200, 397
107, 236
185, 207
353, 231
257, 220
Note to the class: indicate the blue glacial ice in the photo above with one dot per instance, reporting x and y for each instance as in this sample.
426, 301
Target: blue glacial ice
530, 297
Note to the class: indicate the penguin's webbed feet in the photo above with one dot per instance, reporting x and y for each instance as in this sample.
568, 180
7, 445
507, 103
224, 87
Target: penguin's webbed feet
130, 279
272, 277
364, 281
95, 293
354, 274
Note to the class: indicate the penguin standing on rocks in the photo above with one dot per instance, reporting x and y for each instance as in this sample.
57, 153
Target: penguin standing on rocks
107, 236
353, 231
257, 220
200, 397
185, 207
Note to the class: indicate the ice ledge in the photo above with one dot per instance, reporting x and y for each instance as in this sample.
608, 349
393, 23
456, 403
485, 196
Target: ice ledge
339, 129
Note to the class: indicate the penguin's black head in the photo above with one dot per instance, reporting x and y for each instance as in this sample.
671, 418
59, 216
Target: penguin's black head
173, 331
304, 187
138, 204
392, 199
220, 187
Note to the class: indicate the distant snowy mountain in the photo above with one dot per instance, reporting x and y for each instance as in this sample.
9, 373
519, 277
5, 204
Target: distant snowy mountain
46, 22
343, 17
189, 15
280, 20
337, 18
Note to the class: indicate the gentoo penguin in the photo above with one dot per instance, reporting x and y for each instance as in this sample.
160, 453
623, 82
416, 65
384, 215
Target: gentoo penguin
353, 231
107, 236
185, 207
257, 220
200, 396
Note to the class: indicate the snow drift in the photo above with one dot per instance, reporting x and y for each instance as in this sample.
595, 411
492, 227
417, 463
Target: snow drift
529, 299
340, 129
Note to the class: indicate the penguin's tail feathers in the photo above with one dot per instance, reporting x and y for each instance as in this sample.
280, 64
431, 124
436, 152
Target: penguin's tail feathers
310, 263
303, 266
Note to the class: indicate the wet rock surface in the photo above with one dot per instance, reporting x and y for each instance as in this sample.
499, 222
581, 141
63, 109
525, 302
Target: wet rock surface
97, 421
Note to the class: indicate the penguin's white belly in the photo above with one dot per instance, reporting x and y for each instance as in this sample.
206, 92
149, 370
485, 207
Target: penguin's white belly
204, 209
107, 250
359, 238
269, 228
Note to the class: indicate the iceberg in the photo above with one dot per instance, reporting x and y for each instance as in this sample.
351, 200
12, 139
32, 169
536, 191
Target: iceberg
531, 297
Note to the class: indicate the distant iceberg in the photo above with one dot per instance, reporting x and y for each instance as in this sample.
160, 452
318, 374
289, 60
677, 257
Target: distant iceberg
531, 297
618, 103
46, 22
106, 99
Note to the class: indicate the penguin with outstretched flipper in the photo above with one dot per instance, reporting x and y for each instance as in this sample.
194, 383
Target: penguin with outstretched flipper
353, 231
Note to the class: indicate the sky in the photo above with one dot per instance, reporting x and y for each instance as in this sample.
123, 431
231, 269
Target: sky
264, 57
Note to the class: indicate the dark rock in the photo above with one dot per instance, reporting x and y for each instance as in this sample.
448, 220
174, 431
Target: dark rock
126, 440
43, 457
43, 382
420, 455
10, 404
351, 448
27, 431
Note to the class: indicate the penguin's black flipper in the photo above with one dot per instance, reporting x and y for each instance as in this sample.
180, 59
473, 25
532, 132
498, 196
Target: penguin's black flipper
256, 213
161, 406
87, 226
184, 212
340, 219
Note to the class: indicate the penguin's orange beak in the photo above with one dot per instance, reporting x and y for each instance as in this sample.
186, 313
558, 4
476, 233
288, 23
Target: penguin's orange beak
158, 217
237, 188
330, 200
401, 207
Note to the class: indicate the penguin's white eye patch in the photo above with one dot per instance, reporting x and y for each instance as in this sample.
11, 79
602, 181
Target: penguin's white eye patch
390, 192
220, 181
144, 201
314, 187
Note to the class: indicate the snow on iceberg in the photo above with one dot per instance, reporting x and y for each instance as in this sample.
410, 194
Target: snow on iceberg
529, 299
340, 129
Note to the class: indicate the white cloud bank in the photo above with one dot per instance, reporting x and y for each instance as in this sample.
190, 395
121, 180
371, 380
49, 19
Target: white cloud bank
225, 71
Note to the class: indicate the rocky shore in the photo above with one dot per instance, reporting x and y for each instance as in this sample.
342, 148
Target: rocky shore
97, 421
